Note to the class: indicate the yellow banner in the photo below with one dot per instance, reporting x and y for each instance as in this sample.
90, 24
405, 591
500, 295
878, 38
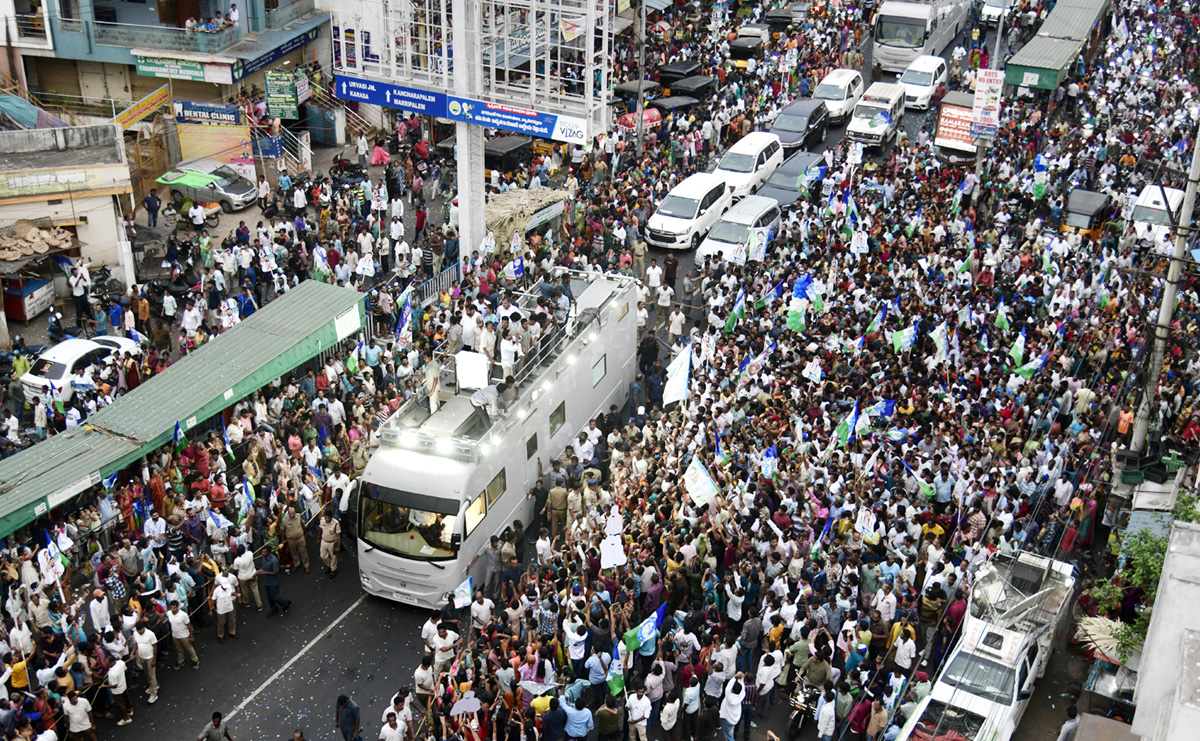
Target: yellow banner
143, 108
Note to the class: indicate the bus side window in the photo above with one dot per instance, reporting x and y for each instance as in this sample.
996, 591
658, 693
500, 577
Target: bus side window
496, 489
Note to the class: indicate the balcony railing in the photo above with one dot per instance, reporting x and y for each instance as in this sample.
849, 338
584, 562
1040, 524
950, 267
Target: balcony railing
164, 37
70, 25
31, 26
285, 14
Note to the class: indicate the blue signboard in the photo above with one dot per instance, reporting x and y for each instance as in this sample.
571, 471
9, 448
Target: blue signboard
189, 111
519, 120
267, 146
279, 52
490, 115
391, 96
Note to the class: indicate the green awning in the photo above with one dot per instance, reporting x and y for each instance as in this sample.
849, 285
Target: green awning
285, 333
187, 179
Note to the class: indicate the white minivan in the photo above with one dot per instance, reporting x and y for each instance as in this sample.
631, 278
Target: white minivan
921, 79
1150, 215
752, 212
750, 161
876, 118
840, 89
689, 211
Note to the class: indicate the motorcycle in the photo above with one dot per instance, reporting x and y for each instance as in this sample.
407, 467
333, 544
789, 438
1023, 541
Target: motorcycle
804, 705
106, 285
344, 168
58, 333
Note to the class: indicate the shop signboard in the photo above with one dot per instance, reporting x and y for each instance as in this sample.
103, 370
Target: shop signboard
282, 101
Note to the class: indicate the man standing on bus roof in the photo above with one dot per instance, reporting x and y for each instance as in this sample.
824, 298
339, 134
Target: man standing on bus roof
433, 370
487, 403
556, 503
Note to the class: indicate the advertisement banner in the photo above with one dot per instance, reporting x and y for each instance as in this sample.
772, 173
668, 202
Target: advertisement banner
175, 69
492, 115
518, 120
189, 111
228, 144
954, 129
985, 116
143, 108
282, 101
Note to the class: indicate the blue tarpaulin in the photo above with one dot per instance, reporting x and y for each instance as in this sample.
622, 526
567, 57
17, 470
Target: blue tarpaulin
18, 113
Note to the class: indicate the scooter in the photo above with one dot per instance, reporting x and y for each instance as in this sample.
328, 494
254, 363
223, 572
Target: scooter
804, 705
59, 333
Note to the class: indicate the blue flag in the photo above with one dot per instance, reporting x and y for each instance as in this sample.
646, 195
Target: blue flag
770, 463
882, 408
323, 435
178, 438
111, 481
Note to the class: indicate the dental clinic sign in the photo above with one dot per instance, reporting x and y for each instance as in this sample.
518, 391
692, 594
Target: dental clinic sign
490, 115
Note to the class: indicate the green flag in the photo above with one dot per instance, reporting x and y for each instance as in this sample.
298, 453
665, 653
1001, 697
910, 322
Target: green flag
966, 265
795, 320
1002, 316
1017, 352
739, 309
818, 303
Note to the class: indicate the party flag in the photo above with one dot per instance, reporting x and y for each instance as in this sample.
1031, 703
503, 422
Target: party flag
926, 488
1017, 351
845, 429
645, 630
179, 438
770, 463
1033, 366
616, 672
877, 322
813, 371
739, 310
1002, 316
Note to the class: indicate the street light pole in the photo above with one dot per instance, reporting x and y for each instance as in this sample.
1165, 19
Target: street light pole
641, 89
1162, 328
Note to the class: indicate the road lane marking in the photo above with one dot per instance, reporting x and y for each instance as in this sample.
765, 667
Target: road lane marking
308, 647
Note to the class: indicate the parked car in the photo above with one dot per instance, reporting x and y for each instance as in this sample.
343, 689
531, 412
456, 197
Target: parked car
749, 162
840, 89
689, 211
210, 181
802, 124
921, 79
55, 366
799, 172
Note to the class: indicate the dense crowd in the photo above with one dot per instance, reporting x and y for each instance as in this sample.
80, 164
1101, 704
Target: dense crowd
877, 423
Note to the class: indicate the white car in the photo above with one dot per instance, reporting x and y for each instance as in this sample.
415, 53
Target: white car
993, 10
921, 80
841, 90
55, 366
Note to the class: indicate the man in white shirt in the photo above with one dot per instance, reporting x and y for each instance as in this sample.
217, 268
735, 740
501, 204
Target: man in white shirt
182, 635
80, 722
147, 661
443, 645
117, 684
885, 602
247, 575
654, 275
482, 610
224, 605
906, 650
639, 714
101, 612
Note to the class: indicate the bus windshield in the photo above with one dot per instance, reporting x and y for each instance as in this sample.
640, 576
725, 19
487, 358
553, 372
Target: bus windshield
907, 33
410, 525
1151, 215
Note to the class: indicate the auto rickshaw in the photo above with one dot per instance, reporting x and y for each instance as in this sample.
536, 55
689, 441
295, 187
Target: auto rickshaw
626, 93
675, 71
1087, 213
700, 87
508, 154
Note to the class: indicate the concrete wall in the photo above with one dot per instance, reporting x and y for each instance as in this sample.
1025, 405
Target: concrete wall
65, 139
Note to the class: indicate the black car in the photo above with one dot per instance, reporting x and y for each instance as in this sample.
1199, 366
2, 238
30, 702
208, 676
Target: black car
800, 171
802, 124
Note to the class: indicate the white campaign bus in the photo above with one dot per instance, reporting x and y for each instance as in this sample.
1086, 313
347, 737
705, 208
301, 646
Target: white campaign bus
907, 29
441, 485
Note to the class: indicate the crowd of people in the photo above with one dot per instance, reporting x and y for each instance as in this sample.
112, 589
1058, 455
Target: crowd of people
877, 420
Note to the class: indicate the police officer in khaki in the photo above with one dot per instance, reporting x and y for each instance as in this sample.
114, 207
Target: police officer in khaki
556, 506
293, 530
331, 542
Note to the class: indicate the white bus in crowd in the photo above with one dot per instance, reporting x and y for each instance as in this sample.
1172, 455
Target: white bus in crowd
441, 485
907, 29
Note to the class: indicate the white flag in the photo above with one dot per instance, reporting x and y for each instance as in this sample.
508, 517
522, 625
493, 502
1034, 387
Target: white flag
678, 376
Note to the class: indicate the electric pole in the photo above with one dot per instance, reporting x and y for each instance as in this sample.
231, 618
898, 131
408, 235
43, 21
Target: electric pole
1162, 328
641, 89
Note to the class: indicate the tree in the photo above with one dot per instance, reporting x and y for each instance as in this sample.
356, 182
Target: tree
1143, 559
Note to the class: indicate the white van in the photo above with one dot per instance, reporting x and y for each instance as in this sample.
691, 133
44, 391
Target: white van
753, 212
750, 161
876, 118
840, 89
689, 211
1150, 216
921, 79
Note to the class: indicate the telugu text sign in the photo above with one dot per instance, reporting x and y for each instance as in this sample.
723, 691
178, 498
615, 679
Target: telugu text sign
143, 108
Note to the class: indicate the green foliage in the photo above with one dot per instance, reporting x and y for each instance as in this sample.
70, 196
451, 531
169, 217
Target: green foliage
1185, 509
